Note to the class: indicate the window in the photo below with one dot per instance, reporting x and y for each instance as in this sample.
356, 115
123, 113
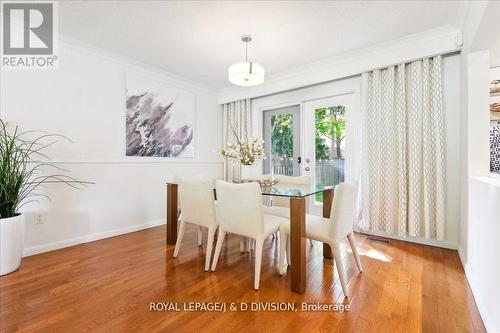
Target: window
329, 146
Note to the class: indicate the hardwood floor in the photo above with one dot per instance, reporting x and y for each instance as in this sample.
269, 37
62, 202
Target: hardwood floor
108, 285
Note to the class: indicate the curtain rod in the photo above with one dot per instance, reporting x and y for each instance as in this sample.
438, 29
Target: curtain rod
415, 59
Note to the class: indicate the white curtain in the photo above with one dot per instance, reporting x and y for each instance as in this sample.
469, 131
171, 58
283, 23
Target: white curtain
237, 118
403, 178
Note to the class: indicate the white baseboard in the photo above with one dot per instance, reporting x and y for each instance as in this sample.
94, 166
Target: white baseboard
473, 286
462, 259
432, 242
29, 251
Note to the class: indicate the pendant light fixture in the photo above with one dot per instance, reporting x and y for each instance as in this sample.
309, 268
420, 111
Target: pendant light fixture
246, 73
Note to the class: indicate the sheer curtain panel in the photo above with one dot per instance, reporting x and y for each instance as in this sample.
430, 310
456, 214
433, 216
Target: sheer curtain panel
237, 118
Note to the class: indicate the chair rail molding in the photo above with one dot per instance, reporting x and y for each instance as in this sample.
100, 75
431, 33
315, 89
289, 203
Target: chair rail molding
442, 40
137, 160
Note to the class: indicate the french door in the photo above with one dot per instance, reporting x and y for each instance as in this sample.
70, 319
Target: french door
325, 140
325, 146
282, 141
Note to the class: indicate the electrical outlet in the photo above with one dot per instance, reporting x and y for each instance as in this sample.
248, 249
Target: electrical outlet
38, 219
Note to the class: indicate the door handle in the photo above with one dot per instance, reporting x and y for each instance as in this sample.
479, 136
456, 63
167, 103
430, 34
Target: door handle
299, 159
307, 169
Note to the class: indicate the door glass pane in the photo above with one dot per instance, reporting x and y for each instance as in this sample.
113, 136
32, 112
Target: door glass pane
282, 144
282, 141
329, 146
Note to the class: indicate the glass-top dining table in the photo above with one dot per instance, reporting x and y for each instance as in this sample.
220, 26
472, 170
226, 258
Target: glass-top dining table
298, 197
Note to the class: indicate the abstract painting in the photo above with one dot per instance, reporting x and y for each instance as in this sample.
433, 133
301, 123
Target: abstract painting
159, 119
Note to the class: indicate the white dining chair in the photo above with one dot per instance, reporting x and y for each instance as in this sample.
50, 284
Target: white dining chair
330, 231
281, 205
177, 179
240, 212
198, 208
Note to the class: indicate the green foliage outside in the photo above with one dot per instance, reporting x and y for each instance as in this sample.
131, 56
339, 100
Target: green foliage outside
330, 124
282, 135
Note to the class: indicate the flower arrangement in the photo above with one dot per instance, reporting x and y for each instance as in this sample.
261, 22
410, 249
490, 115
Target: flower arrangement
245, 151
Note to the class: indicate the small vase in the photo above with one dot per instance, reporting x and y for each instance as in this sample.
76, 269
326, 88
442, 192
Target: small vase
246, 172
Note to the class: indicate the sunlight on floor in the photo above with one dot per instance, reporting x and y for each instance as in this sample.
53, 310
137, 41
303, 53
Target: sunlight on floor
374, 254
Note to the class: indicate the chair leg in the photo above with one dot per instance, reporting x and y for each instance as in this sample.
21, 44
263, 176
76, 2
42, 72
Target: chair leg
242, 244
288, 260
340, 266
210, 242
180, 235
258, 261
200, 237
249, 245
282, 266
218, 247
354, 248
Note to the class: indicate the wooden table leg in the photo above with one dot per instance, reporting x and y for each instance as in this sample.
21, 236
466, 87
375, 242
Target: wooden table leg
298, 244
172, 213
327, 208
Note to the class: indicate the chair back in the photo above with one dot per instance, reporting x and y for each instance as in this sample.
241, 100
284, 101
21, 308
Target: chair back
178, 179
302, 183
240, 208
343, 210
197, 202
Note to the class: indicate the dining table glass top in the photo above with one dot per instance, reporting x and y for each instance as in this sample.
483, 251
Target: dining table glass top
290, 190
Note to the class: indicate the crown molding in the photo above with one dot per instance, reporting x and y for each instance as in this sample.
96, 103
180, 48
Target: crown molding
445, 39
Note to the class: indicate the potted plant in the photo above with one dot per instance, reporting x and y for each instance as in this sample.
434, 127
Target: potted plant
23, 167
246, 152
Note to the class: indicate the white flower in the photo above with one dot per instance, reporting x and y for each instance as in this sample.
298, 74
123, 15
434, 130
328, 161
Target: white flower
246, 152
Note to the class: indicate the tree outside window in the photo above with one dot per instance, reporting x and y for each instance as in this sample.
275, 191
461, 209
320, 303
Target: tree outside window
282, 135
330, 126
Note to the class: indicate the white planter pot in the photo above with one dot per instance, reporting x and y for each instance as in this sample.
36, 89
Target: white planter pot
12, 231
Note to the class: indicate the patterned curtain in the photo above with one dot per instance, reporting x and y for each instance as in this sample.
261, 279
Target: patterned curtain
403, 178
495, 148
237, 118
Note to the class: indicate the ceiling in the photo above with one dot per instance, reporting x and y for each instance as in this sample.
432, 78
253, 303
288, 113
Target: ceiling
199, 40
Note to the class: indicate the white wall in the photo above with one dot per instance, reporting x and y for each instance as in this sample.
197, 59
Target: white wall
480, 194
451, 98
84, 99
480, 261
478, 113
